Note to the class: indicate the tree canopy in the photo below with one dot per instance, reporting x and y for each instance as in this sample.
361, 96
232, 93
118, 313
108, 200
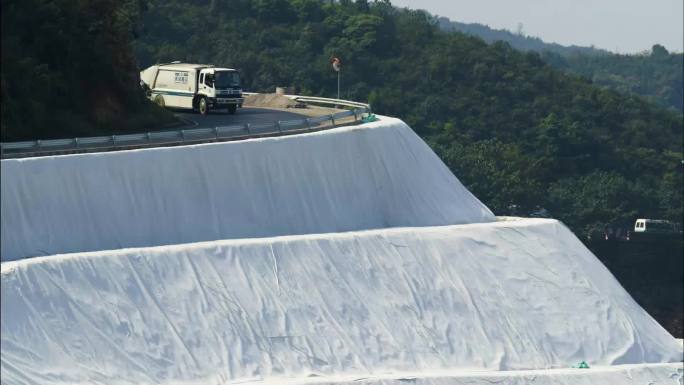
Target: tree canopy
68, 70
655, 75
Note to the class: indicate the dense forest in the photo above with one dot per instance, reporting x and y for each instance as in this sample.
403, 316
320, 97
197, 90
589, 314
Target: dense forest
519, 133
68, 70
655, 75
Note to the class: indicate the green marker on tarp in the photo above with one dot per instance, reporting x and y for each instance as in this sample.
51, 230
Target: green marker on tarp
369, 118
581, 365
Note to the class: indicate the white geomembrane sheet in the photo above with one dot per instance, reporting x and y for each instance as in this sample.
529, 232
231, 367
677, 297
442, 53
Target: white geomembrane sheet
355, 178
347, 256
508, 295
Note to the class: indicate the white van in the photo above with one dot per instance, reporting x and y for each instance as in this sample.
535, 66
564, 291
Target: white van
198, 87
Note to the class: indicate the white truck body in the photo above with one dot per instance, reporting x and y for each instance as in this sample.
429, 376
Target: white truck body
643, 225
193, 86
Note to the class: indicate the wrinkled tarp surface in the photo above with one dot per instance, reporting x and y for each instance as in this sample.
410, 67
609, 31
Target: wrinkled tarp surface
374, 176
508, 295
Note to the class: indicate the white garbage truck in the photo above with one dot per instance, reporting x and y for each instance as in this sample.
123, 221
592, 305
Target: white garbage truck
200, 87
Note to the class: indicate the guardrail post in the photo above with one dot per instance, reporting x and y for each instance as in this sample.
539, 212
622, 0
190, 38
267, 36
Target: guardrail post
182, 135
147, 136
354, 112
247, 128
38, 144
280, 129
216, 132
332, 117
75, 142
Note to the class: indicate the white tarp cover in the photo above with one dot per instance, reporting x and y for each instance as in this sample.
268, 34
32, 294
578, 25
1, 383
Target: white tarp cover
650, 374
373, 176
508, 295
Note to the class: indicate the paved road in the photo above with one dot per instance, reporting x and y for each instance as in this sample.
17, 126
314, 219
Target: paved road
242, 116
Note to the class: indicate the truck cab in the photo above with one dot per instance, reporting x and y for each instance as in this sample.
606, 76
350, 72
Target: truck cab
218, 88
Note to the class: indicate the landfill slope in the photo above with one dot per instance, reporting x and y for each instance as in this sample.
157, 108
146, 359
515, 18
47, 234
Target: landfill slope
510, 295
377, 175
345, 256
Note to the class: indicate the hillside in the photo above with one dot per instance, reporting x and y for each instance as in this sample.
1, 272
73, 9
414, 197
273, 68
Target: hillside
351, 255
520, 134
654, 75
68, 70
519, 41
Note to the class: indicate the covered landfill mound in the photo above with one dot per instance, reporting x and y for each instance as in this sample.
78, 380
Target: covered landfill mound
350, 255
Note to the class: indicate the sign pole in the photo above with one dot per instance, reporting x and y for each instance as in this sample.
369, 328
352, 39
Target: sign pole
337, 66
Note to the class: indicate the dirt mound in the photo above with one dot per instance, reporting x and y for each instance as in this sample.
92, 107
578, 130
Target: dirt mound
271, 101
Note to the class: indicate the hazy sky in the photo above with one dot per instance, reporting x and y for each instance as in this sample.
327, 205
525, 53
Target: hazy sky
626, 26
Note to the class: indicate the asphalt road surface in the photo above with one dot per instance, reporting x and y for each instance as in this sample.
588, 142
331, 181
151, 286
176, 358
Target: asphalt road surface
217, 118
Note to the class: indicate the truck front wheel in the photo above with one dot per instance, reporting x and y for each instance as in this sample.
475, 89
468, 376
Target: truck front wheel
203, 106
232, 108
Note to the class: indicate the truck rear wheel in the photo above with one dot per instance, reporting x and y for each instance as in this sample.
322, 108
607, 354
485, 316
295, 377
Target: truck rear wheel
159, 100
203, 106
232, 108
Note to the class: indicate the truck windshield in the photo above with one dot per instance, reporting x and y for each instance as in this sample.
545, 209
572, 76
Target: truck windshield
225, 79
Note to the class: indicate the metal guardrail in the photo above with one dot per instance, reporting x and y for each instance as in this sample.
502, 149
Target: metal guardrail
192, 136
